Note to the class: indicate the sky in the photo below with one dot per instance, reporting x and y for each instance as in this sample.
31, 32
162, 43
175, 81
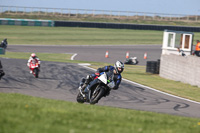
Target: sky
187, 7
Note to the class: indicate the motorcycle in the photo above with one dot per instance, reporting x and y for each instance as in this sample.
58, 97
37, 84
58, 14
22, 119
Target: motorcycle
35, 68
4, 44
131, 61
98, 88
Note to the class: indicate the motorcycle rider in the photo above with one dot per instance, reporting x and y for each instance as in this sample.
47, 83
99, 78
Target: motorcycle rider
1, 71
117, 69
32, 58
4, 43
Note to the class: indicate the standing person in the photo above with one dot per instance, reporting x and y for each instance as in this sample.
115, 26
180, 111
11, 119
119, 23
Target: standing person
117, 69
197, 49
1, 71
33, 58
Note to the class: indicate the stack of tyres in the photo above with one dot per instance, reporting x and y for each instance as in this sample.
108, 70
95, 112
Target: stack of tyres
2, 51
152, 67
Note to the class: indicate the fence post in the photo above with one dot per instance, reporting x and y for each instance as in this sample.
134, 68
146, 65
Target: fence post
1, 9
9, 10
69, 12
53, 11
24, 10
61, 12
136, 14
77, 13
46, 11
119, 14
16, 11
85, 13
93, 13
102, 14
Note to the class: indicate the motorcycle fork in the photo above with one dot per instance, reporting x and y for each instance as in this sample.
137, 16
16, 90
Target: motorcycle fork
34, 71
97, 88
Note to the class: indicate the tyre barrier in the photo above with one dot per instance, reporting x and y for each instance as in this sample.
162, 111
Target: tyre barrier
2, 51
124, 26
26, 22
50, 23
153, 67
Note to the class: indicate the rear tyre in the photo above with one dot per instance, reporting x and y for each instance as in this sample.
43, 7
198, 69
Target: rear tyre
97, 96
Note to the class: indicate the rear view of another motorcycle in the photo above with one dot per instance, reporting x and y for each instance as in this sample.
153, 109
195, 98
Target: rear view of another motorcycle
34, 66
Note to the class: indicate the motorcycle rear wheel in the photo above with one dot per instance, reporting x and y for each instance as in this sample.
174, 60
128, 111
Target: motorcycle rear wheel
97, 96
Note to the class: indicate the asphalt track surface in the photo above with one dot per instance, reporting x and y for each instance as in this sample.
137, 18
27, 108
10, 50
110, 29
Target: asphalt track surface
60, 81
97, 53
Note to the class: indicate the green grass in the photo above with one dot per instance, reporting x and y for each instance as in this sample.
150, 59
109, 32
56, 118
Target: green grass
26, 114
77, 36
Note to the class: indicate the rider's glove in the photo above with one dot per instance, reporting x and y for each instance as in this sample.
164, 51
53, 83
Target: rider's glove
97, 74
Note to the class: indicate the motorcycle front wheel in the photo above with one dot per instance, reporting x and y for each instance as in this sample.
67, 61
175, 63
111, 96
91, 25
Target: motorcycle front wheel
96, 96
80, 98
36, 73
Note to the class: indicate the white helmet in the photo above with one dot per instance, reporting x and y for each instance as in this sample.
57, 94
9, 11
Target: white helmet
33, 55
119, 65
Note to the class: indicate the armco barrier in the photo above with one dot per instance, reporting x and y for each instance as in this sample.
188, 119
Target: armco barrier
32, 22
124, 26
26, 22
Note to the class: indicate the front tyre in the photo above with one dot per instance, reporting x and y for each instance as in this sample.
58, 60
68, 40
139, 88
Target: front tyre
80, 98
97, 96
36, 72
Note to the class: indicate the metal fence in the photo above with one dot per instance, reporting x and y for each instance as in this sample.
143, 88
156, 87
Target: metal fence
86, 13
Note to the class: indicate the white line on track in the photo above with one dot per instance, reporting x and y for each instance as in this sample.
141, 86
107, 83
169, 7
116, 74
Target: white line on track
151, 88
73, 56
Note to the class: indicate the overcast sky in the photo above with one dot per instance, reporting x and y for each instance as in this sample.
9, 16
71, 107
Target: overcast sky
188, 7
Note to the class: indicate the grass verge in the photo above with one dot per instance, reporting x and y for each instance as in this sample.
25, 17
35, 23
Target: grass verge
26, 114
80, 36
77, 36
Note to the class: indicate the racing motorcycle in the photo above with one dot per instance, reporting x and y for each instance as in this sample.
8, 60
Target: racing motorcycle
131, 61
4, 44
98, 88
35, 68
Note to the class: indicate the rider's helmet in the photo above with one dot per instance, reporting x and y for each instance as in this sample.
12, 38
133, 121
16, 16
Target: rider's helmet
33, 55
119, 67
